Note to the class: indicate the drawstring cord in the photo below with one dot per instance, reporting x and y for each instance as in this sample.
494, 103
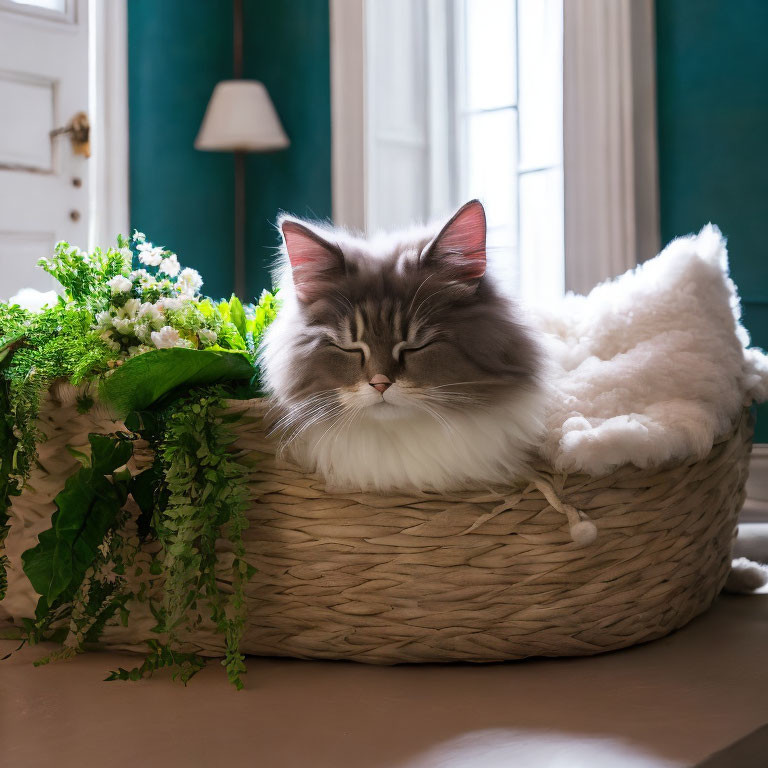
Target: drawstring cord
583, 530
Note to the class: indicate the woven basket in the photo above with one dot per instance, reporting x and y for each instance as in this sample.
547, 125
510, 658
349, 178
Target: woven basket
484, 576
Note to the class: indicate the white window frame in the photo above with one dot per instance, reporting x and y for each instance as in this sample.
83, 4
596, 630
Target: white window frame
108, 111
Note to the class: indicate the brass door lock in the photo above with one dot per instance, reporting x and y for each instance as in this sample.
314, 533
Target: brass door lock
79, 130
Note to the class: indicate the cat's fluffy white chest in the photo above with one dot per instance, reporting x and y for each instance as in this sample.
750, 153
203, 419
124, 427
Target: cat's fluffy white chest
468, 449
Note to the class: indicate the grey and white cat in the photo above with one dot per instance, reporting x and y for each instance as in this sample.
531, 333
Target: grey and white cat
396, 363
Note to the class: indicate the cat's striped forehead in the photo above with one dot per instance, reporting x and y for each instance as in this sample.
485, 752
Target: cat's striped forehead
386, 326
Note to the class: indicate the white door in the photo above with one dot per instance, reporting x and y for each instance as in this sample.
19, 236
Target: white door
43, 182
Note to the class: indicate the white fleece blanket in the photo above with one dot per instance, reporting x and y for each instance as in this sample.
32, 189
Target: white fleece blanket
651, 366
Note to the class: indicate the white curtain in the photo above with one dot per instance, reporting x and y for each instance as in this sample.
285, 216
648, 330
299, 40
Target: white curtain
609, 138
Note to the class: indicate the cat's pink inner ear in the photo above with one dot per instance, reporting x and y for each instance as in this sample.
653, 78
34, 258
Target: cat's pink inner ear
310, 257
463, 240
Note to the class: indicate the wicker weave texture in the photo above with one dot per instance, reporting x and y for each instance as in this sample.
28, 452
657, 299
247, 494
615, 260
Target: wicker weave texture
484, 576
30, 513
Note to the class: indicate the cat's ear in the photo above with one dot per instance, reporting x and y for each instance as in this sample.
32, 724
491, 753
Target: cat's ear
460, 245
313, 260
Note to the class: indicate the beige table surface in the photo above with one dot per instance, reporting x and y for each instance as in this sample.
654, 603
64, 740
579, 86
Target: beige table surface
668, 703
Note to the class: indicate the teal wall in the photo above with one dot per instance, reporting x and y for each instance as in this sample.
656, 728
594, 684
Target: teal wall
290, 53
712, 75
182, 198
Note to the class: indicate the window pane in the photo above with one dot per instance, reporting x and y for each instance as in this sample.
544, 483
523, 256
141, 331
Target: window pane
540, 41
59, 6
492, 177
490, 53
501, 251
492, 164
542, 266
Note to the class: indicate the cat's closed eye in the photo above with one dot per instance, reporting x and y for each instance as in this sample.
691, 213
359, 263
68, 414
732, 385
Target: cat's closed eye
350, 350
401, 351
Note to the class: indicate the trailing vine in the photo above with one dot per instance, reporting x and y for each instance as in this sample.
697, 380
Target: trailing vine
204, 501
8, 485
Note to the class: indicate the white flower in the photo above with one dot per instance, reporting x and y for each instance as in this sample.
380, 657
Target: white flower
170, 265
151, 314
120, 284
150, 255
32, 300
189, 282
138, 237
166, 337
207, 336
166, 303
142, 276
103, 319
127, 254
141, 331
123, 325
129, 309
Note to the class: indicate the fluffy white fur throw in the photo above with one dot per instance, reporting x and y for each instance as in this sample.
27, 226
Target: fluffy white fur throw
651, 366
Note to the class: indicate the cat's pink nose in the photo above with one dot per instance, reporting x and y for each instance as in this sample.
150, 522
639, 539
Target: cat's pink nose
380, 383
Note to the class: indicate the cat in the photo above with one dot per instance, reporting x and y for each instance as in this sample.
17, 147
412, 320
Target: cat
396, 363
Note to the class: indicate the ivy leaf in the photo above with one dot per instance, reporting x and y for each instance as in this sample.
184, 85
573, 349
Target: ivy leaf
237, 315
142, 380
86, 509
10, 345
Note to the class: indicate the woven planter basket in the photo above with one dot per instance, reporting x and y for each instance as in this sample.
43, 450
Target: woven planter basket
483, 576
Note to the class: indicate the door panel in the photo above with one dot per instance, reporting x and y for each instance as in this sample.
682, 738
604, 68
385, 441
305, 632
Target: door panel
44, 185
27, 101
19, 252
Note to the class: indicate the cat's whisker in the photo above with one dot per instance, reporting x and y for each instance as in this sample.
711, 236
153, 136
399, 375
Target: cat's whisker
297, 410
294, 407
438, 417
342, 296
489, 382
410, 306
293, 431
346, 423
352, 412
439, 290
318, 418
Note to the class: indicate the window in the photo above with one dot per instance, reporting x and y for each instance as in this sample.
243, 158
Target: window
544, 109
464, 100
509, 110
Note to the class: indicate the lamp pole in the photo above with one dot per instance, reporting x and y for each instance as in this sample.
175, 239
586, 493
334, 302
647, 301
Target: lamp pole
240, 118
237, 66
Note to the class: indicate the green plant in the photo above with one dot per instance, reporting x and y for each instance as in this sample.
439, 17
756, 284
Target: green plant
131, 329
203, 492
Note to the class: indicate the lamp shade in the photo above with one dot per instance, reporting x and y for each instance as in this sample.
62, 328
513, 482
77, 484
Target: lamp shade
241, 116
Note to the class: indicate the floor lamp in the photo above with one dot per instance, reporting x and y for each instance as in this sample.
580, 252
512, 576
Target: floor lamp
240, 118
